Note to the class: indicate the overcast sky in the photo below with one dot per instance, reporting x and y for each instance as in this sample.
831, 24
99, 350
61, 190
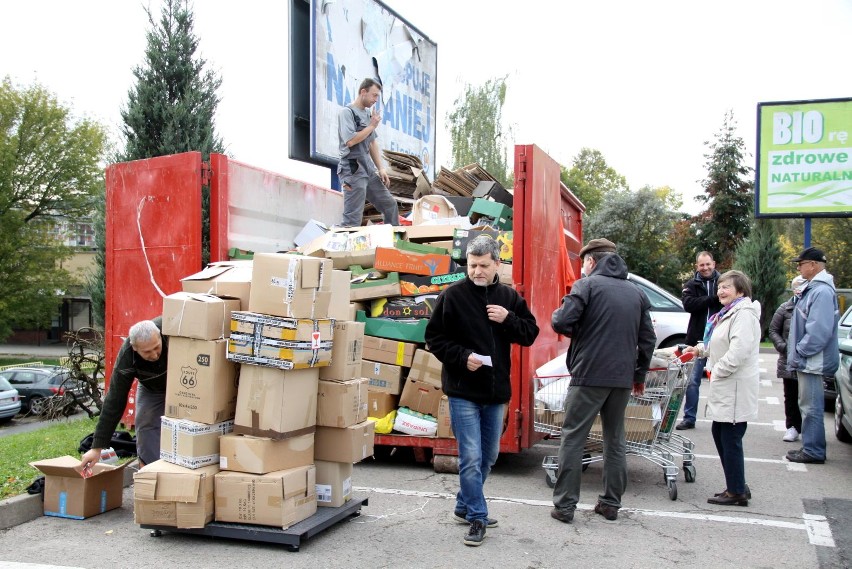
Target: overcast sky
646, 83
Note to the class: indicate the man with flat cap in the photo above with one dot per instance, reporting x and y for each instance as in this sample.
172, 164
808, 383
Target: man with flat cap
608, 321
812, 350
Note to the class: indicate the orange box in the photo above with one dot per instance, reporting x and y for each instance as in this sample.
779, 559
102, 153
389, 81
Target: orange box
389, 259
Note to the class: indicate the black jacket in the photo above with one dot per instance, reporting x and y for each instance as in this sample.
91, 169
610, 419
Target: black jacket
700, 300
608, 320
459, 325
779, 329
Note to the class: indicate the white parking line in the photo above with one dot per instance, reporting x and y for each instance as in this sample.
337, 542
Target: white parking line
819, 532
766, 382
771, 400
791, 466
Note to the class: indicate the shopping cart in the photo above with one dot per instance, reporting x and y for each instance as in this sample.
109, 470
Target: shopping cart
648, 421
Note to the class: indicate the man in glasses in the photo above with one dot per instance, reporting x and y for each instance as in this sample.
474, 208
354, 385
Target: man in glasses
813, 351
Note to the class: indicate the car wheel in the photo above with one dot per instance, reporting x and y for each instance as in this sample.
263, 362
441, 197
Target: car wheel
36, 405
839, 429
673, 341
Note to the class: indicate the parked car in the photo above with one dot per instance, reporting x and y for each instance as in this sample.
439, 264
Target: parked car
670, 319
10, 401
36, 383
843, 380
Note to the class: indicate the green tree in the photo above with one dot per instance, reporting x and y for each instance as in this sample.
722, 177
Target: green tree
591, 178
476, 129
834, 237
50, 169
172, 106
728, 195
760, 257
641, 224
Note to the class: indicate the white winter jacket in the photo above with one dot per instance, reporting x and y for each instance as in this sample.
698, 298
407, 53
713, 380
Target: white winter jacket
732, 356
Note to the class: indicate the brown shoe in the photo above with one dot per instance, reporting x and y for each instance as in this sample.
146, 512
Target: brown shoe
607, 511
728, 499
747, 493
564, 515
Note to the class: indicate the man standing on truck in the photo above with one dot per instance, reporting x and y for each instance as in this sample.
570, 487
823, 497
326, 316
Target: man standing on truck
143, 356
361, 170
608, 321
700, 300
471, 330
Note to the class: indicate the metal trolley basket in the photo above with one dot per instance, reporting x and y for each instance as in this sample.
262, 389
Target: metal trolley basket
648, 421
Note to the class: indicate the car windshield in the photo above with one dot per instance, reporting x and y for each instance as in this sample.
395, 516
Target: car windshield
847, 318
4, 384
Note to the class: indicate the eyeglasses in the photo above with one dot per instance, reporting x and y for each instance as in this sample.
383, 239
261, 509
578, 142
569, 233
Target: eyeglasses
800, 263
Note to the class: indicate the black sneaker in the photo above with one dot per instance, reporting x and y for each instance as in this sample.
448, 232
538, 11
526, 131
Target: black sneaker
684, 425
607, 511
475, 534
461, 518
802, 456
564, 515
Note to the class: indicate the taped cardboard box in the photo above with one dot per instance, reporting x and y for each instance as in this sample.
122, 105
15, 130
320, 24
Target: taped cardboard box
351, 444
283, 343
340, 404
165, 494
388, 351
276, 404
338, 308
259, 455
68, 495
421, 397
414, 285
202, 383
390, 259
404, 330
379, 404
346, 352
290, 285
224, 278
426, 368
445, 424
382, 377
200, 316
191, 444
279, 499
334, 483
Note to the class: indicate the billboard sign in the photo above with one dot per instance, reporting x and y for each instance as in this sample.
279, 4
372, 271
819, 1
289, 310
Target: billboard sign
353, 40
804, 159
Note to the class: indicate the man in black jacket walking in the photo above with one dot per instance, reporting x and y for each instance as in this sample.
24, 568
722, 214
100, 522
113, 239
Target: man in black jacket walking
700, 300
472, 328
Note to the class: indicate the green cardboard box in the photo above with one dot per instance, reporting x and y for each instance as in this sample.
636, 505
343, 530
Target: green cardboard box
394, 329
499, 213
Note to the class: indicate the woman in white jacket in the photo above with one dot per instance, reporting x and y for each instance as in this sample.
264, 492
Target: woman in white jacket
731, 346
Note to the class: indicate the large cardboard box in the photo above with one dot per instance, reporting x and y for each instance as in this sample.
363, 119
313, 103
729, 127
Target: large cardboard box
391, 259
279, 342
200, 316
279, 499
379, 404
421, 397
639, 423
340, 404
346, 352
405, 330
275, 403
500, 215
165, 494
259, 455
225, 278
415, 285
68, 495
352, 444
191, 444
426, 368
382, 377
202, 383
334, 483
290, 285
338, 308
445, 425
388, 351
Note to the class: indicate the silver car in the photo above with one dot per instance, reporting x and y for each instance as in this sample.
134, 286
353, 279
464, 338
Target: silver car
843, 380
10, 401
670, 319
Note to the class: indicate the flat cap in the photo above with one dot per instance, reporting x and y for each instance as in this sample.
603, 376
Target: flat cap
811, 254
603, 245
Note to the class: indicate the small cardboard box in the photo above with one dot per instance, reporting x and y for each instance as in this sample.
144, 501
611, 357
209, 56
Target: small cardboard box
352, 444
338, 309
202, 383
200, 316
368, 284
387, 351
165, 494
281, 498
259, 455
353, 246
310, 231
405, 330
414, 285
638, 423
379, 404
276, 404
68, 495
382, 377
493, 191
504, 273
426, 368
445, 425
191, 444
463, 237
283, 343
430, 208
225, 278
403, 308
290, 285
412, 423
421, 397
346, 352
334, 483
391, 259
500, 215
423, 233
340, 404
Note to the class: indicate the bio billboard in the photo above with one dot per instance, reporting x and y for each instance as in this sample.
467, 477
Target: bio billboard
804, 159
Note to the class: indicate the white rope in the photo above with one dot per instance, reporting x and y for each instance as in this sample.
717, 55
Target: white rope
142, 241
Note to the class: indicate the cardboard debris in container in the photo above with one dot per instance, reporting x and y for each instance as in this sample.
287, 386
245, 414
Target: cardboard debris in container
68, 494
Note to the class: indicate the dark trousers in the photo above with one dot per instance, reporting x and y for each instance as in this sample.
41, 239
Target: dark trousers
729, 444
792, 414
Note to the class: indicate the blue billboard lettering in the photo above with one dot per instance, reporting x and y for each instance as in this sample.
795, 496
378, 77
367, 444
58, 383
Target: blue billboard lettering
417, 78
334, 83
406, 114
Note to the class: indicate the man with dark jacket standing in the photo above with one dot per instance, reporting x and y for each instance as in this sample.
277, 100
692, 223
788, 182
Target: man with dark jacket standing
612, 337
700, 300
471, 330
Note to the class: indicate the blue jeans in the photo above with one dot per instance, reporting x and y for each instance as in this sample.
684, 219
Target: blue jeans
690, 406
812, 406
477, 428
729, 444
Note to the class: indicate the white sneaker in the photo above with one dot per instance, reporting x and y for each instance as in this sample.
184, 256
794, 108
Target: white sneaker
791, 436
